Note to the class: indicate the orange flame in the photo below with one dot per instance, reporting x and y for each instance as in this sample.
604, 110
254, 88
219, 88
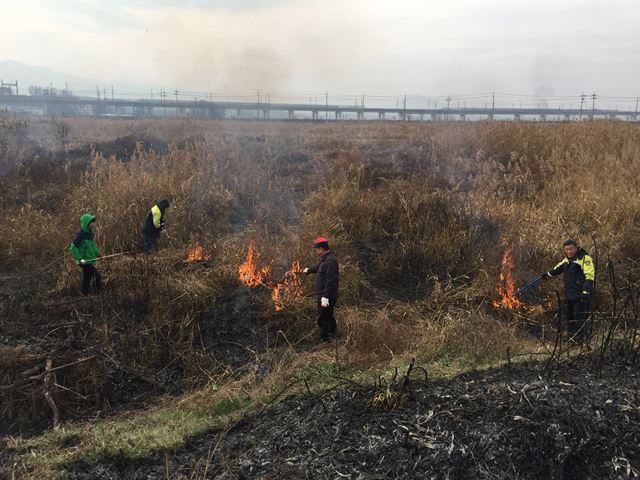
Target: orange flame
253, 276
195, 254
507, 288
249, 272
289, 288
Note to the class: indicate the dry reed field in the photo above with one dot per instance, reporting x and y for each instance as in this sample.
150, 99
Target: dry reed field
419, 216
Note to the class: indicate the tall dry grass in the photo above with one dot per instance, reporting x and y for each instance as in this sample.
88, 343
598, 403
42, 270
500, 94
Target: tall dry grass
416, 214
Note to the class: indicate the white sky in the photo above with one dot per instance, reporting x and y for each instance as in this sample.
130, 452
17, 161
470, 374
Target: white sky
349, 47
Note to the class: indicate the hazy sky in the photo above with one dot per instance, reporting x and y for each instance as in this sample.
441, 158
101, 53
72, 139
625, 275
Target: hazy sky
349, 46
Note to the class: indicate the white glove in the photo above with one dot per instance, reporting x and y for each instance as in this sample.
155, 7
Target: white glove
83, 261
324, 301
306, 270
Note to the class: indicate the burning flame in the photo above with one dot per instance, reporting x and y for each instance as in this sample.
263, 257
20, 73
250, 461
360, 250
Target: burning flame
289, 288
253, 276
196, 254
507, 288
249, 272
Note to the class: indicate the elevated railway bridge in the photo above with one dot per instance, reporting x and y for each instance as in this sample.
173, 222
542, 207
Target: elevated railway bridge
73, 105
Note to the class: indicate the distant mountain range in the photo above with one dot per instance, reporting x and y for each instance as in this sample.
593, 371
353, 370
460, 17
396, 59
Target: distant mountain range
30, 75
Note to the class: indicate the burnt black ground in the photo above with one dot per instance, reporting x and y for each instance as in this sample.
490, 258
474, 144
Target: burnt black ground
498, 424
233, 331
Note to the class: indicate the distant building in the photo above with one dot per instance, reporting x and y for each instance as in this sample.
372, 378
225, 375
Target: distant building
8, 88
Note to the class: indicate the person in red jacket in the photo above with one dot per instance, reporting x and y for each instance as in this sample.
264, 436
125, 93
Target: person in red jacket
326, 289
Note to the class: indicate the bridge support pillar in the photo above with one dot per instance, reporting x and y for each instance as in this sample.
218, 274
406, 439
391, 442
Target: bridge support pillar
338, 115
314, 115
292, 114
360, 116
380, 115
516, 117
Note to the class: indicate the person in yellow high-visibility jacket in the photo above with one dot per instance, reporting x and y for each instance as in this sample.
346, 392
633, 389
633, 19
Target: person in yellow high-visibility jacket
153, 225
579, 273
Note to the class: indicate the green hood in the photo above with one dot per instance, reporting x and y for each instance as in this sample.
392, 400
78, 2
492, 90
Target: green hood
83, 247
85, 220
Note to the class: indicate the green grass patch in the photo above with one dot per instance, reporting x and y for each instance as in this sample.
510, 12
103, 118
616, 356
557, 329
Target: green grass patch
134, 435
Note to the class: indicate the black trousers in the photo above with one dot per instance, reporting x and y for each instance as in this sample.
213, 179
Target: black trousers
326, 321
577, 315
89, 273
150, 241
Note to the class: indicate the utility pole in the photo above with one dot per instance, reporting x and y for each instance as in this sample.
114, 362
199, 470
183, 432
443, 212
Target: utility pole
493, 103
326, 106
404, 107
448, 103
593, 104
258, 111
635, 114
582, 97
175, 92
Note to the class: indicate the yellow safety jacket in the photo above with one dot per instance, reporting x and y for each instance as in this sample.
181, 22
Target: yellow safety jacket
579, 273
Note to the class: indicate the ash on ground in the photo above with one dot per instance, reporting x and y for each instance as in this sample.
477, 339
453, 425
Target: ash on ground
507, 423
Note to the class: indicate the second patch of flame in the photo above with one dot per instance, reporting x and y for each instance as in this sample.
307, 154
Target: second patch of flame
507, 288
253, 276
289, 288
249, 272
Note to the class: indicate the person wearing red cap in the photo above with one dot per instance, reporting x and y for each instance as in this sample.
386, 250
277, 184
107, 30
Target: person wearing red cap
327, 283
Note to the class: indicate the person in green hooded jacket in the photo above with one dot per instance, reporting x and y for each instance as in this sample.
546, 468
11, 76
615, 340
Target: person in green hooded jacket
85, 252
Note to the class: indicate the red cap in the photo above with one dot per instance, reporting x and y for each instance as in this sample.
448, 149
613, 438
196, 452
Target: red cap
321, 242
